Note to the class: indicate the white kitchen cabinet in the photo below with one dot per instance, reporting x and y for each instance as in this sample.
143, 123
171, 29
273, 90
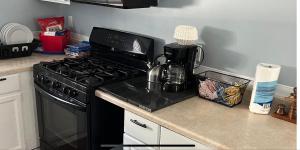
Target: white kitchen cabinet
9, 84
169, 137
29, 110
11, 122
18, 123
59, 1
141, 129
128, 140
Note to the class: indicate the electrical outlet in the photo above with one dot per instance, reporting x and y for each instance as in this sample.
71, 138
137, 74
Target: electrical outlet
70, 22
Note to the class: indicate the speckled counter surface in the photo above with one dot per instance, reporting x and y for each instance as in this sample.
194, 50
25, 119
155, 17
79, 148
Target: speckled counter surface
218, 126
16, 65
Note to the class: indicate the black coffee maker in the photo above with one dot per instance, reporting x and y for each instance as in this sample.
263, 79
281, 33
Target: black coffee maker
178, 70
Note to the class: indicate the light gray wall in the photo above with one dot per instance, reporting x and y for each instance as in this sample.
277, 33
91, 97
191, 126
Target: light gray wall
26, 12
238, 34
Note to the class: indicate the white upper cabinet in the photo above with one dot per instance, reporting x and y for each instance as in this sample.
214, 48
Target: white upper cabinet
59, 1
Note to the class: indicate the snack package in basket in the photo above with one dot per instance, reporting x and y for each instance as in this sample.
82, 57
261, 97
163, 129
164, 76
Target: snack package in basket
53, 24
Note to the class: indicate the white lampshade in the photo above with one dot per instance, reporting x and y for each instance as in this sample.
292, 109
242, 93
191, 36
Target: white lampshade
186, 35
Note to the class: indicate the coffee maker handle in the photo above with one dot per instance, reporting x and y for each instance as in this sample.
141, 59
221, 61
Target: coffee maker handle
200, 55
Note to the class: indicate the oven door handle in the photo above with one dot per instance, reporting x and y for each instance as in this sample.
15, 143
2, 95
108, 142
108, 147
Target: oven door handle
76, 106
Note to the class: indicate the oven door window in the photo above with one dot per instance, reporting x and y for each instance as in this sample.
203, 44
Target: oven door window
63, 126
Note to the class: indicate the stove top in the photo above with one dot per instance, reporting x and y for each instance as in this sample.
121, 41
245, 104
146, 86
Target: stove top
74, 78
138, 92
77, 79
90, 70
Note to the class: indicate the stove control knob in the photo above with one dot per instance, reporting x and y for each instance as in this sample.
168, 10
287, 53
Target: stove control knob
73, 93
44, 79
56, 85
67, 90
40, 77
37, 76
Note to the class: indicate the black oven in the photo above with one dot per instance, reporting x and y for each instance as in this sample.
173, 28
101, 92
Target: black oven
70, 116
62, 122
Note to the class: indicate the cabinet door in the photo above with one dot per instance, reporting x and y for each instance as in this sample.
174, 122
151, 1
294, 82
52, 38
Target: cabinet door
128, 140
29, 111
140, 128
11, 122
169, 137
59, 1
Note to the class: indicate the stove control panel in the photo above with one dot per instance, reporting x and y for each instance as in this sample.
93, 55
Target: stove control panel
58, 88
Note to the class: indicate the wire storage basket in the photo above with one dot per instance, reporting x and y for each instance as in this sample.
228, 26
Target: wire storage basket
221, 88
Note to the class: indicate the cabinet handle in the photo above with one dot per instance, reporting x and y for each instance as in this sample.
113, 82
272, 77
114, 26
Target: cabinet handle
2, 79
138, 123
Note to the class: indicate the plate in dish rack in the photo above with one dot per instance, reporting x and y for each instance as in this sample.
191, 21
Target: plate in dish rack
3, 30
14, 33
17, 33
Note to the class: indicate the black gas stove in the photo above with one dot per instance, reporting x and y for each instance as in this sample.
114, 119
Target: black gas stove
70, 116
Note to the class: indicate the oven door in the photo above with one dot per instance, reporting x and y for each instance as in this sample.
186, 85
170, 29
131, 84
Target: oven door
62, 124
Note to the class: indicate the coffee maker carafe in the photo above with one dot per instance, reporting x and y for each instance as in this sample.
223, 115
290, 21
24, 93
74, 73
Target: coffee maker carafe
178, 70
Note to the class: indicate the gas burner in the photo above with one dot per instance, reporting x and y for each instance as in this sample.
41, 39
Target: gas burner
88, 80
124, 74
78, 75
106, 75
51, 65
62, 69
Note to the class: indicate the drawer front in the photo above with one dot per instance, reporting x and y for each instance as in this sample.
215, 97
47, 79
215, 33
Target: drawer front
170, 137
128, 140
141, 129
9, 83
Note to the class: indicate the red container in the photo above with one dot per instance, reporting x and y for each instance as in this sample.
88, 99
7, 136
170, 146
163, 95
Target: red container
55, 44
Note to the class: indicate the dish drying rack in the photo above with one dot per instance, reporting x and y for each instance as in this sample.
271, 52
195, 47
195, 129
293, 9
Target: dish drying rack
18, 50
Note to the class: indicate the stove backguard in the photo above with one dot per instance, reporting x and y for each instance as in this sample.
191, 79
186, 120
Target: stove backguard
124, 47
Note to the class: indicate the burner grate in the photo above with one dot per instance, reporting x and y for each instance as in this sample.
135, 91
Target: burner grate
91, 70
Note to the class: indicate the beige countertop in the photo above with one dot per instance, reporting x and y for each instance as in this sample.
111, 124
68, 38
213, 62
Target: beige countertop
203, 121
218, 126
16, 65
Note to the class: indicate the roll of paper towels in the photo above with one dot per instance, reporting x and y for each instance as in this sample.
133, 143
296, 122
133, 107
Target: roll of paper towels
264, 88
